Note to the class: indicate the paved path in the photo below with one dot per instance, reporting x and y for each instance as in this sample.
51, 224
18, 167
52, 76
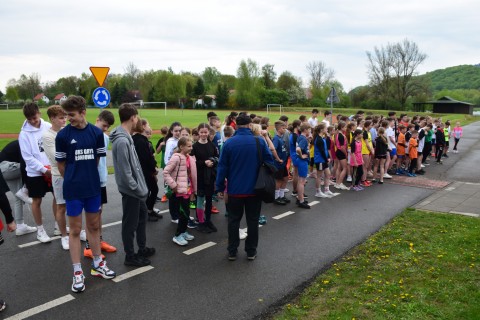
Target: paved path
182, 283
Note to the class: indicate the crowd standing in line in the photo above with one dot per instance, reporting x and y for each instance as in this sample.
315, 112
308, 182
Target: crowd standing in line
199, 165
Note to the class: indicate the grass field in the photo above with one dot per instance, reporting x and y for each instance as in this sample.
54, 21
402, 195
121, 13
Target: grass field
420, 266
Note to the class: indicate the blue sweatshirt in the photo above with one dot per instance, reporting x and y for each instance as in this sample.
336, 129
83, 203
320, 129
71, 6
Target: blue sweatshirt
239, 163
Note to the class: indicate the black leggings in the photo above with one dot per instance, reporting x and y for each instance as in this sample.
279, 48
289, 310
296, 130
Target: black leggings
456, 142
357, 173
152, 191
6, 209
438, 152
413, 165
182, 206
427, 148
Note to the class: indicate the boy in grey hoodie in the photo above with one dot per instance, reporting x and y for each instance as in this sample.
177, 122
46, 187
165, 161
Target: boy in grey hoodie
131, 185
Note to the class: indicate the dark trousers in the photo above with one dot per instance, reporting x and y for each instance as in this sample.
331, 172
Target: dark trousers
182, 206
413, 165
236, 207
427, 148
152, 191
133, 223
456, 142
439, 152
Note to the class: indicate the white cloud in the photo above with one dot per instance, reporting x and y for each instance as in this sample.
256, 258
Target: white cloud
57, 38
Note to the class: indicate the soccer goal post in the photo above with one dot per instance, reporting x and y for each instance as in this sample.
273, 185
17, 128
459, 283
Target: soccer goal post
143, 104
270, 105
3, 106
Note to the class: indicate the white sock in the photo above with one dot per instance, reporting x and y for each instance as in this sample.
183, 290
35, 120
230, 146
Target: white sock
77, 267
277, 194
281, 193
40, 228
96, 261
326, 188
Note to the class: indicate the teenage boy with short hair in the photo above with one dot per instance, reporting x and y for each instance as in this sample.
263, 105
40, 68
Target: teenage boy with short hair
37, 164
78, 148
104, 121
57, 117
133, 188
313, 121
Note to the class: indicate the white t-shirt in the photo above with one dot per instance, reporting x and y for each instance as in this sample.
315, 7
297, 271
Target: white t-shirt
326, 122
390, 136
313, 122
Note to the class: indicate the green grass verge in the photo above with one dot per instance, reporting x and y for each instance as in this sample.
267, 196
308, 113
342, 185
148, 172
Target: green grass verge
422, 265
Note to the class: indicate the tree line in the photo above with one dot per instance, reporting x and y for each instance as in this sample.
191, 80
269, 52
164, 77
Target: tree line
392, 70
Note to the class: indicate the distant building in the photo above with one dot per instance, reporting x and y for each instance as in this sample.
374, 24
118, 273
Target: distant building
446, 105
42, 97
59, 98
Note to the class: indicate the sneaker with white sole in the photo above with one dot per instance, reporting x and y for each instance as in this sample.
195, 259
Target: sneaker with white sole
65, 244
187, 236
349, 179
242, 234
320, 194
343, 187
102, 271
331, 194
22, 194
24, 229
180, 240
387, 176
78, 284
43, 237
83, 236
57, 232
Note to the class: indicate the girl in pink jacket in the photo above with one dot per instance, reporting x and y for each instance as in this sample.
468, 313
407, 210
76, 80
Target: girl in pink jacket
180, 174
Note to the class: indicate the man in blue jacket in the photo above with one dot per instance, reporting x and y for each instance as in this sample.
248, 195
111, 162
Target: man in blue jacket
239, 165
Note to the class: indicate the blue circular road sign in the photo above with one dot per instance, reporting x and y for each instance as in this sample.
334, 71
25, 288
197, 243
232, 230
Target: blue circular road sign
101, 97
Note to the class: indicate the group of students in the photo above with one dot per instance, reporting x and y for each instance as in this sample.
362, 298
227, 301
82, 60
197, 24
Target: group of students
70, 162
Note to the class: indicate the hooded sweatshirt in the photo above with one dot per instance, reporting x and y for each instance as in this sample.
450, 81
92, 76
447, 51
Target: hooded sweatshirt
31, 146
128, 171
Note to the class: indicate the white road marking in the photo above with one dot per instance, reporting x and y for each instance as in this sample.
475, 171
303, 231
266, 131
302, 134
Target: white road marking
41, 308
450, 189
132, 273
283, 215
164, 211
473, 183
29, 244
199, 248
111, 224
313, 203
475, 215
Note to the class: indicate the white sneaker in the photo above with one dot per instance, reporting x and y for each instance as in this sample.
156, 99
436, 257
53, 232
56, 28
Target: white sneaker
65, 244
24, 229
83, 236
180, 240
242, 234
286, 190
43, 237
343, 187
387, 176
337, 186
331, 194
349, 179
22, 194
422, 166
320, 194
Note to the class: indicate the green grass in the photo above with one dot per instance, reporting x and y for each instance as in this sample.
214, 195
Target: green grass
420, 266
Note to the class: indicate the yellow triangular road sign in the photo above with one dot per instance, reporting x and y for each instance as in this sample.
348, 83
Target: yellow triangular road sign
100, 74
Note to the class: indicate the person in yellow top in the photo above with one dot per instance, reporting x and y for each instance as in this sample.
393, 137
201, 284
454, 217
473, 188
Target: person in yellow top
367, 151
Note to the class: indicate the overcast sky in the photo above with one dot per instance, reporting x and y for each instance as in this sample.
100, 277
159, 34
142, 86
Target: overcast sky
58, 38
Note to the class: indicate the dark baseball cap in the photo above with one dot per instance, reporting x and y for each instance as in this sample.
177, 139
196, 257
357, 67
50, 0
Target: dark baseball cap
243, 120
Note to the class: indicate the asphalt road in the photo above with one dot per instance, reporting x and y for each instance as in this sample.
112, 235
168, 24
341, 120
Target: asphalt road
205, 285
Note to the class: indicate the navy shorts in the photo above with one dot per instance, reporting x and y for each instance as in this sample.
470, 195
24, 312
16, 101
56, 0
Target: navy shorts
321, 166
281, 173
90, 205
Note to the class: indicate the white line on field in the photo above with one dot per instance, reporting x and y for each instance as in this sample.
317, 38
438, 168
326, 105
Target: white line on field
313, 203
199, 248
41, 308
132, 273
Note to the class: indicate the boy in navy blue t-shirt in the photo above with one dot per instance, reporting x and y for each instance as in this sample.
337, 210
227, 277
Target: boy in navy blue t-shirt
79, 147
281, 176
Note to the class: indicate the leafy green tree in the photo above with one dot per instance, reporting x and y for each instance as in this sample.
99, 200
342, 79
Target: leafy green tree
151, 94
229, 80
11, 95
199, 89
1, 96
248, 85
210, 77
273, 96
175, 88
222, 95
268, 76
115, 94
67, 85
287, 80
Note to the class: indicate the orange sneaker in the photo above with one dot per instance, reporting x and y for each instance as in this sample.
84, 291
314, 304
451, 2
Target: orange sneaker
164, 198
215, 210
105, 246
87, 253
